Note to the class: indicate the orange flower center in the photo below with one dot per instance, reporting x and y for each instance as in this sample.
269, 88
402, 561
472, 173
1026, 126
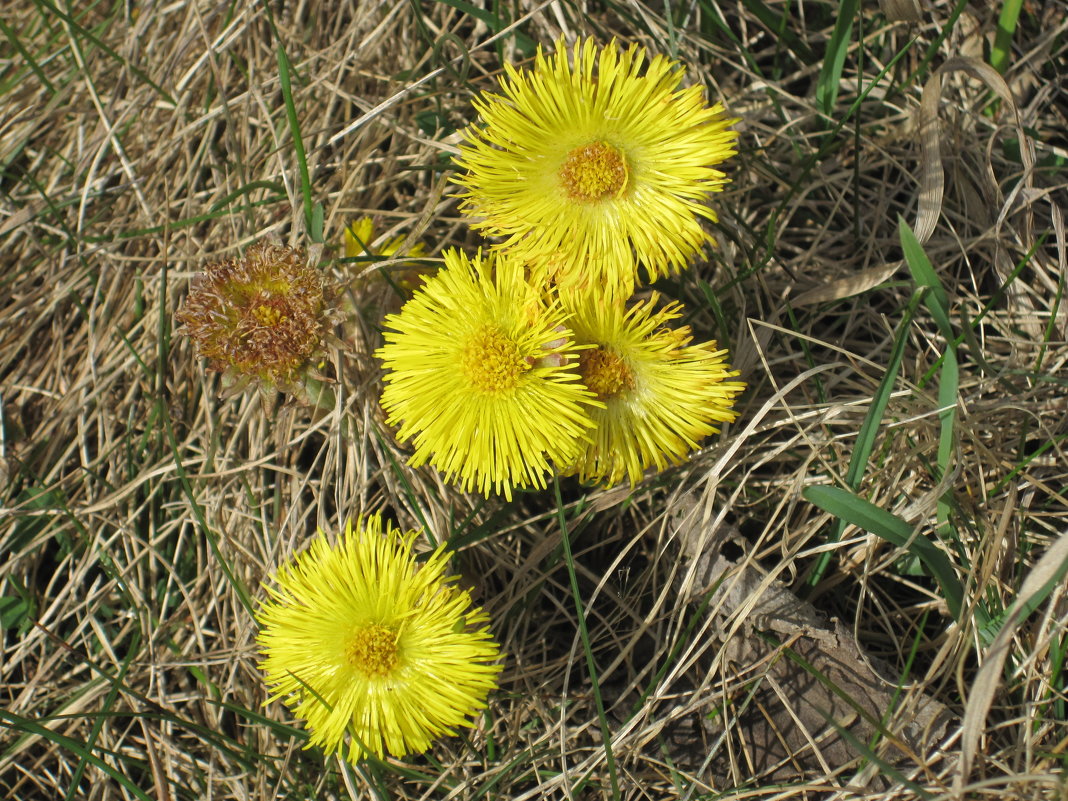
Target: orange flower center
605, 373
373, 650
492, 362
593, 172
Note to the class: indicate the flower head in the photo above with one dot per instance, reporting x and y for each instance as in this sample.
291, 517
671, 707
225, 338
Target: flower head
589, 168
477, 374
661, 395
358, 638
358, 239
263, 318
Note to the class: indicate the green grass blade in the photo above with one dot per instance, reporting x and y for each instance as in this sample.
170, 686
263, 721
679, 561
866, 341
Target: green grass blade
999, 53
937, 302
409, 491
885, 766
879, 726
831, 142
317, 222
925, 276
1039, 451
893, 529
1022, 607
869, 429
224, 202
298, 143
777, 24
202, 524
584, 634
98, 721
89, 36
19, 723
948, 384
834, 59
493, 22
13, 37
919, 73
996, 300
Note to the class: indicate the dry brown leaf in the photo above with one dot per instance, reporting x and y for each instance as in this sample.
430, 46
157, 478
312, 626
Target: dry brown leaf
823, 685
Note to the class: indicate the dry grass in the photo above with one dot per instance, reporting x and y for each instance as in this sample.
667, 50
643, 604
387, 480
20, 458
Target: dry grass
138, 142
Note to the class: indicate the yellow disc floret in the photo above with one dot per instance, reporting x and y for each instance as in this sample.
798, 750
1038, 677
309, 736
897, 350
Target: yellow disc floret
373, 650
593, 172
491, 361
605, 373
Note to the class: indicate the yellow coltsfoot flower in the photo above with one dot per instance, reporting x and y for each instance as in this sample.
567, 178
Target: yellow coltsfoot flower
589, 168
359, 639
264, 318
661, 394
407, 275
478, 375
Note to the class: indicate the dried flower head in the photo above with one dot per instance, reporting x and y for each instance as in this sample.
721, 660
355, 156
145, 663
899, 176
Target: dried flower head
360, 639
263, 318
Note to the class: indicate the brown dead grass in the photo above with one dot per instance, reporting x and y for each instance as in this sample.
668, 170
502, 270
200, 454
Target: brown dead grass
134, 155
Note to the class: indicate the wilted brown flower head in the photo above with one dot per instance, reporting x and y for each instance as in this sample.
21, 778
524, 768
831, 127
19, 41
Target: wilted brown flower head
262, 318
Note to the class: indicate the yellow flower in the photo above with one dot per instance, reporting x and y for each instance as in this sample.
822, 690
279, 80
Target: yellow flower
592, 168
477, 374
264, 318
357, 638
661, 394
358, 238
